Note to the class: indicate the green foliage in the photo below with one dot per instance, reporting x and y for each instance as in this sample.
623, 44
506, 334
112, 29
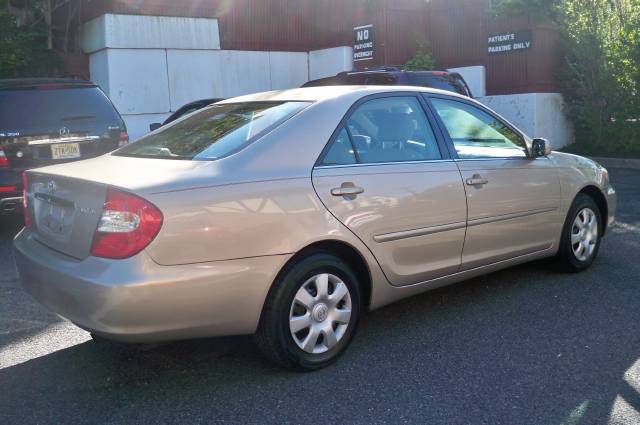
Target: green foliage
421, 61
600, 75
23, 49
539, 9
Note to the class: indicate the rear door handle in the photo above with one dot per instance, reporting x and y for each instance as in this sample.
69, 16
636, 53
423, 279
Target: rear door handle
348, 190
476, 180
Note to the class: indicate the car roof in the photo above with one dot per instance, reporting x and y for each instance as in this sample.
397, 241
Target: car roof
322, 93
20, 83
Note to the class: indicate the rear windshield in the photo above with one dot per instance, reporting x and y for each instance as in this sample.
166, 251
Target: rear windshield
442, 82
214, 132
24, 109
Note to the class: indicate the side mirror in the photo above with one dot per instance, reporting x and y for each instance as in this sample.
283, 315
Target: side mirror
540, 147
154, 126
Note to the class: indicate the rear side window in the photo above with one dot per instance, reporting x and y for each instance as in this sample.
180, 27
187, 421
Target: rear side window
390, 129
53, 108
214, 132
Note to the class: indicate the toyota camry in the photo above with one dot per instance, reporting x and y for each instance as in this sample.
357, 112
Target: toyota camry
289, 214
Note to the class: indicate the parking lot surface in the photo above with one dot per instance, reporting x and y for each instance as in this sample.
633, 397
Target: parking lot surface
527, 345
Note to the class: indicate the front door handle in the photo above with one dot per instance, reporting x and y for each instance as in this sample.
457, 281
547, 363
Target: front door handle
477, 180
348, 190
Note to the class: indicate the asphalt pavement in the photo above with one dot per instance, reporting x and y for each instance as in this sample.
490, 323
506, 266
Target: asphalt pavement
527, 345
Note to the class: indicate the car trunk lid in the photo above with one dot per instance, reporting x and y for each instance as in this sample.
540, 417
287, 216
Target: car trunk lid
64, 212
65, 201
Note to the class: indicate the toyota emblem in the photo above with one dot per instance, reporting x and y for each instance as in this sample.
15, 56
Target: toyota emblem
64, 131
52, 187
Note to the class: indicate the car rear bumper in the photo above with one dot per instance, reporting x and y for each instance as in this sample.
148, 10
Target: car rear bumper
137, 300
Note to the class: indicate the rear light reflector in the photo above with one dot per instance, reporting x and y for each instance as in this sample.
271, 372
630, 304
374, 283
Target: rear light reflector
7, 189
124, 138
4, 161
127, 225
25, 210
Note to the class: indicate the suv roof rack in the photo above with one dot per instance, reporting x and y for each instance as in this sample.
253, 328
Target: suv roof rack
19, 83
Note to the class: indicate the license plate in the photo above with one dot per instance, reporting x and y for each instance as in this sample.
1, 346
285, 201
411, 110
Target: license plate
65, 151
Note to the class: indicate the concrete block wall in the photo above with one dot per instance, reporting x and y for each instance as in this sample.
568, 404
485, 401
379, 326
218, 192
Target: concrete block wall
150, 66
536, 114
328, 62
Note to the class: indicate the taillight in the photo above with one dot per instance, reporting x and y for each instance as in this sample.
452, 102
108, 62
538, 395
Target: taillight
124, 138
127, 225
4, 161
25, 210
7, 189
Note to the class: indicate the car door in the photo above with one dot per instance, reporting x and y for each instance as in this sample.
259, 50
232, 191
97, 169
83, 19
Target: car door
513, 199
387, 176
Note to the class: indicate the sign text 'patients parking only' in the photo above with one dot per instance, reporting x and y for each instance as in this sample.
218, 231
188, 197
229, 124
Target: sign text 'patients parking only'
509, 42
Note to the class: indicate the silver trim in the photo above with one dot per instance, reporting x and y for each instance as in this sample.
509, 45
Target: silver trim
387, 237
486, 220
63, 140
430, 161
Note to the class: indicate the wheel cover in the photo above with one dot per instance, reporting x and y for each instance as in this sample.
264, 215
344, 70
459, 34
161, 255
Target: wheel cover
320, 313
584, 234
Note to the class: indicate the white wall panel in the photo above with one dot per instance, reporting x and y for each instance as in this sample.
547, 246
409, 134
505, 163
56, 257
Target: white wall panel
216, 73
328, 62
551, 120
138, 81
475, 76
536, 114
519, 109
149, 32
288, 69
99, 69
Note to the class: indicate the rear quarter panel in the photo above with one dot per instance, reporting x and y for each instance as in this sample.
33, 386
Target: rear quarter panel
241, 220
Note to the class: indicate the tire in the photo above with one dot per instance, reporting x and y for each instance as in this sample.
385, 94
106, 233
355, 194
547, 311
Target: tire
322, 315
570, 257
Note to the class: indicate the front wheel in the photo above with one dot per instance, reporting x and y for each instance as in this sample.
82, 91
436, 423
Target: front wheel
581, 234
311, 313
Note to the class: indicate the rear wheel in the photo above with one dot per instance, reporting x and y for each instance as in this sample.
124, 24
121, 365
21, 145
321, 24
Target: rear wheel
581, 234
311, 313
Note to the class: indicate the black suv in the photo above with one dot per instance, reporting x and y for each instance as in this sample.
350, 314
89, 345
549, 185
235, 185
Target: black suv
184, 110
51, 121
395, 76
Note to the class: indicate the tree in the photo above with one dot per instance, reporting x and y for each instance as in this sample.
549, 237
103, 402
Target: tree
600, 75
421, 61
28, 38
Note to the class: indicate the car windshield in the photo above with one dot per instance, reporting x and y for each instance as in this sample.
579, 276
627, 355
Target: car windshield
216, 131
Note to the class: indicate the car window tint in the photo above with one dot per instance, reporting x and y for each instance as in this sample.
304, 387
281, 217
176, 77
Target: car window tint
213, 132
341, 151
75, 108
380, 80
477, 134
392, 129
442, 82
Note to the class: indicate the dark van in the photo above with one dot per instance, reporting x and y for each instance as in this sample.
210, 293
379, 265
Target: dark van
51, 121
395, 76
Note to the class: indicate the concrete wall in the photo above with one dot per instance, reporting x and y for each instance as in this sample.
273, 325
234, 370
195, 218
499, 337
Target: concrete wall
150, 66
536, 114
328, 62
149, 32
475, 76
